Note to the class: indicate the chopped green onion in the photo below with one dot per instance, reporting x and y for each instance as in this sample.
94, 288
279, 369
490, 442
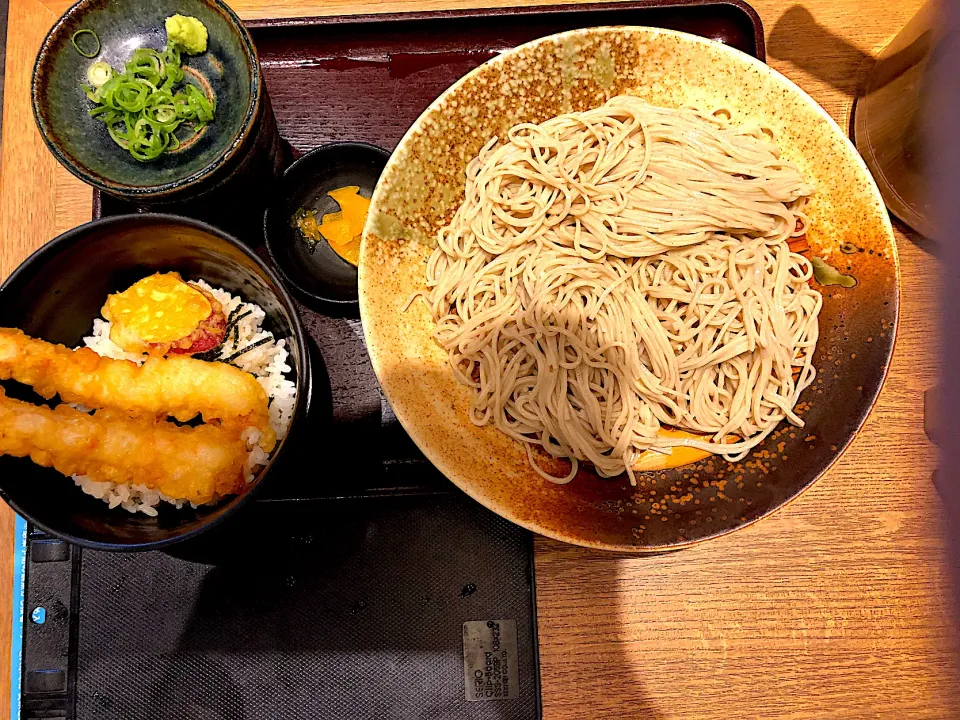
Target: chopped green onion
141, 108
201, 106
76, 46
120, 136
99, 73
130, 95
171, 56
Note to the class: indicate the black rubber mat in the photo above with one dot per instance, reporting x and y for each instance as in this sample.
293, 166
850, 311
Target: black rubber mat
313, 609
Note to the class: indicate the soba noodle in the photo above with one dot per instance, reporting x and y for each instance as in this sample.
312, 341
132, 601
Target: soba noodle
624, 268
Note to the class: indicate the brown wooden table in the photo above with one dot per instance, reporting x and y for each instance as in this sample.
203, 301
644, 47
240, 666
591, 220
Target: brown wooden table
837, 606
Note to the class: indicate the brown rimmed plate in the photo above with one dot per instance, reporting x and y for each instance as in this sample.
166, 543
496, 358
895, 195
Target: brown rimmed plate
423, 184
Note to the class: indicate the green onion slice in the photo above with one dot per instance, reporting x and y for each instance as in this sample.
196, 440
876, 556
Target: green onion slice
76, 46
98, 73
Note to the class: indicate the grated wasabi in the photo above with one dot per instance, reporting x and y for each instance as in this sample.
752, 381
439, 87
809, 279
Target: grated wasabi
187, 32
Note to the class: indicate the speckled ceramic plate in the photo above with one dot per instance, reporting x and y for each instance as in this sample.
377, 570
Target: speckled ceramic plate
423, 184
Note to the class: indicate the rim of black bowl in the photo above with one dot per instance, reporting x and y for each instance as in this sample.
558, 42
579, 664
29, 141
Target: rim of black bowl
267, 239
149, 191
304, 378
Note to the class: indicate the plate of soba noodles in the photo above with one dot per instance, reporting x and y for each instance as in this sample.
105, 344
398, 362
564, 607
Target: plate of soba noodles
629, 288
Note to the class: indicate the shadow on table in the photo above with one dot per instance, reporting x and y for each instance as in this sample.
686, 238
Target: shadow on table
928, 246
799, 38
582, 637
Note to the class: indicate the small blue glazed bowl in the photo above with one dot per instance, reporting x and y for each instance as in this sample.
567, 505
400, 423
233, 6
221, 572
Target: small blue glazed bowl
81, 143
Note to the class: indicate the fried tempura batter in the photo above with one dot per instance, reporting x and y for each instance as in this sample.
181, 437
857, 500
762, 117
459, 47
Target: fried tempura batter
199, 464
180, 387
162, 315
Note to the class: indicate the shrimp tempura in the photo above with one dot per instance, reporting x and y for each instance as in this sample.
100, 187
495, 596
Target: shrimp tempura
179, 387
198, 464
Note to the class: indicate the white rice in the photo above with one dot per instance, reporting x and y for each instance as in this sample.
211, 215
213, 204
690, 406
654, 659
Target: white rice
268, 363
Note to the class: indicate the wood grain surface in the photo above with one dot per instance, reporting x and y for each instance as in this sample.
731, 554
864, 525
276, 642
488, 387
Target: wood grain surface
838, 606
